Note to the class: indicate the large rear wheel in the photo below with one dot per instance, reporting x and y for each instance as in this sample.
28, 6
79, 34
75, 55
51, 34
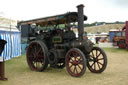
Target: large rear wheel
37, 56
97, 60
75, 62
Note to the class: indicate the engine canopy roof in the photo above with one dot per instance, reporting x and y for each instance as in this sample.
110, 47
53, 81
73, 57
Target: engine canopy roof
54, 20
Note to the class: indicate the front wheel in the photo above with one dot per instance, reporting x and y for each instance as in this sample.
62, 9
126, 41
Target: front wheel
75, 62
97, 60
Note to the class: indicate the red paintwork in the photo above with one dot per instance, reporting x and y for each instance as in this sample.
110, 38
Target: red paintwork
122, 45
126, 34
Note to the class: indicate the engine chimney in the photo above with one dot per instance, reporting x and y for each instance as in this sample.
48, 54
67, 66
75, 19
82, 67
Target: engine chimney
80, 21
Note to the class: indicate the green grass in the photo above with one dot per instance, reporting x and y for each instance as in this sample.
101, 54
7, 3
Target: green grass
115, 50
18, 72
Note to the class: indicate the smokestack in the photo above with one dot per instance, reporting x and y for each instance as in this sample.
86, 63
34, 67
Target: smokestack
80, 21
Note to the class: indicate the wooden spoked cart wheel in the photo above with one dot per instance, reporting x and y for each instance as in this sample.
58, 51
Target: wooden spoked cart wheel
36, 56
97, 60
75, 62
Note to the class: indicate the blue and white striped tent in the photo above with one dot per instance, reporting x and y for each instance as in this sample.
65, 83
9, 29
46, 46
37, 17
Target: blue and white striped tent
13, 45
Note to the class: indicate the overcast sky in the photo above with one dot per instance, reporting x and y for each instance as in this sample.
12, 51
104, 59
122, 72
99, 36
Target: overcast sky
96, 10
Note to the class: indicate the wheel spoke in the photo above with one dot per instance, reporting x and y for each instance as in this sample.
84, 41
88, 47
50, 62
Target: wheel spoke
92, 64
79, 67
91, 59
79, 59
76, 71
71, 58
75, 58
39, 51
70, 62
101, 59
35, 49
32, 58
41, 59
32, 54
71, 66
75, 55
93, 54
98, 55
40, 56
38, 60
98, 65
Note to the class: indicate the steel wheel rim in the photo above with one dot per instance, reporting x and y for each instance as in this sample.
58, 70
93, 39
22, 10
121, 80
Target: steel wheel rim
75, 63
35, 56
96, 61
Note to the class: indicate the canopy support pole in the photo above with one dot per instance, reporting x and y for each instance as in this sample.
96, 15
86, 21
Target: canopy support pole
2, 71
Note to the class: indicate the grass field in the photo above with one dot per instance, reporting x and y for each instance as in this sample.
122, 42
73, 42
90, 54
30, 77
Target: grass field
18, 73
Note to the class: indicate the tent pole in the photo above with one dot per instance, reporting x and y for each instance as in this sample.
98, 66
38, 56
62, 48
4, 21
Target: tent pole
2, 71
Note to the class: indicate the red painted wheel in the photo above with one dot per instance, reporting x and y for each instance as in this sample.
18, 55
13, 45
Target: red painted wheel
97, 60
36, 56
75, 62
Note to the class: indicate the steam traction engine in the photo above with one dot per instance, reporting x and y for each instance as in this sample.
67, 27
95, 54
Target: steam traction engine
53, 42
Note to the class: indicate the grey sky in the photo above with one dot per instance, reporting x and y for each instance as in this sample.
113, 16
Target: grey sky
96, 10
